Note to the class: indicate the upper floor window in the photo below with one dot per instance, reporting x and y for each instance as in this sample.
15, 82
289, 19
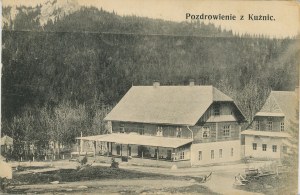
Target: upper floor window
254, 146
220, 153
159, 131
226, 131
274, 148
264, 147
217, 110
122, 128
257, 125
178, 132
282, 126
231, 152
181, 155
270, 125
141, 129
200, 155
205, 132
212, 154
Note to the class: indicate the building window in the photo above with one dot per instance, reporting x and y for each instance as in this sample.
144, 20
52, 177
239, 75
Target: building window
257, 125
200, 155
254, 146
284, 149
264, 147
274, 148
231, 152
122, 128
159, 131
141, 129
178, 132
270, 125
282, 126
181, 156
220, 153
212, 154
205, 132
226, 131
217, 110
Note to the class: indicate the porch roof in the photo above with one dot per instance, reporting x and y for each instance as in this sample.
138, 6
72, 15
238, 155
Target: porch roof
266, 133
135, 139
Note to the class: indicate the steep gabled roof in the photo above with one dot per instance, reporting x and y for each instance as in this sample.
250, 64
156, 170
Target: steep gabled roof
287, 102
181, 105
280, 103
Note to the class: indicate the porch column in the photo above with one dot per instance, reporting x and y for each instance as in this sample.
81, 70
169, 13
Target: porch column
127, 150
216, 131
173, 155
95, 146
78, 147
81, 142
107, 148
111, 149
121, 150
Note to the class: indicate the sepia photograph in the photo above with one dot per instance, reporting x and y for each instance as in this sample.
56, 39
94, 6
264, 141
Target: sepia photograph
149, 97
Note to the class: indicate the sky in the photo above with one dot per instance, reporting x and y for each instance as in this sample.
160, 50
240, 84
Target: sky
286, 13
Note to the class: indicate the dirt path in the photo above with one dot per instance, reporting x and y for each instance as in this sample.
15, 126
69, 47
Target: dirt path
222, 178
221, 182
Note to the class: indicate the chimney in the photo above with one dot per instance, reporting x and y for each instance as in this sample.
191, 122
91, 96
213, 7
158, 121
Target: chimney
192, 82
156, 84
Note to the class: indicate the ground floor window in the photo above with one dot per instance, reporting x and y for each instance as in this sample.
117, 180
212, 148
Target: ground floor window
212, 154
274, 148
254, 146
200, 155
220, 153
264, 147
118, 150
181, 156
231, 152
284, 149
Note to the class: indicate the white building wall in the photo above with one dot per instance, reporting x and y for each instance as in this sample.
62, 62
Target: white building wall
206, 148
259, 153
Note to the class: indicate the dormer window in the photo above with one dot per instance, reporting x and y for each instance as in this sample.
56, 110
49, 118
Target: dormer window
226, 130
141, 129
270, 125
122, 128
257, 125
217, 110
205, 132
178, 132
159, 131
282, 126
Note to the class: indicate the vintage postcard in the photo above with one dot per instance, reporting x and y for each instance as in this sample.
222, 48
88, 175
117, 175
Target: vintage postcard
149, 97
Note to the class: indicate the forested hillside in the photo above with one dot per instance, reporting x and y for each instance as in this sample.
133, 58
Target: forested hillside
61, 77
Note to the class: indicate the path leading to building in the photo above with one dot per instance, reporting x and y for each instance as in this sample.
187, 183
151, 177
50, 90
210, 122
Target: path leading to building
221, 181
222, 175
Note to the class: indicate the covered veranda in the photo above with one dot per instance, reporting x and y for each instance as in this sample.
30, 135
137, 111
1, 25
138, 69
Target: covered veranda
135, 145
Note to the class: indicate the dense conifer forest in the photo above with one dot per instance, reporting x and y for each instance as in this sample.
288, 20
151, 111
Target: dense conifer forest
62, 77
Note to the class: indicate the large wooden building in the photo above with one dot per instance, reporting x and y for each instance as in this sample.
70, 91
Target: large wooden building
196, 124
270, 134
